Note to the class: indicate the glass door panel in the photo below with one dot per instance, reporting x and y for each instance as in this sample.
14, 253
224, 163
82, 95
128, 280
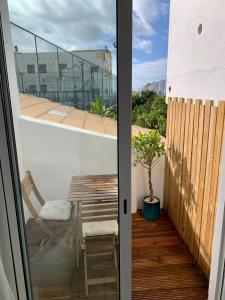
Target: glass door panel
66, 114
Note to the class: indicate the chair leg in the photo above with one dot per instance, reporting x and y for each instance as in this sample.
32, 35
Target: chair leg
45, 247
78, 245
42, 244
115, 262
78, 236
63, 242
85, 272
71, 242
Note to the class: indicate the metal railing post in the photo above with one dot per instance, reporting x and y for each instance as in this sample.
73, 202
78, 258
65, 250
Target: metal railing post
98, 84
82, 81
74, 85
102, 86
58, 79
110, 85
39, 80
91, 85
107, 91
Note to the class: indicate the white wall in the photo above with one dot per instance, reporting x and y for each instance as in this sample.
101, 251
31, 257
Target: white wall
196, 63
54, 153
140, 183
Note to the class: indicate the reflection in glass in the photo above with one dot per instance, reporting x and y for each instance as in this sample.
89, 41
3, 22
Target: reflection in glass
68, 128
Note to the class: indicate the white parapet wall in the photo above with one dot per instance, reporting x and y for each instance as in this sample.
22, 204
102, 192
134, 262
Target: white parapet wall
55, 152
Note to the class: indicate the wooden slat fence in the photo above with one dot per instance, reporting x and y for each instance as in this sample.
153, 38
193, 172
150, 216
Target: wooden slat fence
195, 133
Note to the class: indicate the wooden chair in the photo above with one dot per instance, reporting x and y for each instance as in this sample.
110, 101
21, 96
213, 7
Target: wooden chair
58, 210
99, 221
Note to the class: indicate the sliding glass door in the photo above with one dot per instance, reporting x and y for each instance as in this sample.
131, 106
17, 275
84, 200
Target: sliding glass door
67, 146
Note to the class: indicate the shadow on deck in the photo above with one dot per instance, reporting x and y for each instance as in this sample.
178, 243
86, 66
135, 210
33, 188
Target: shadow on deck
162, 267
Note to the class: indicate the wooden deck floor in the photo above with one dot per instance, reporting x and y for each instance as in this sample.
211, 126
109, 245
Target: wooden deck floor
162, 267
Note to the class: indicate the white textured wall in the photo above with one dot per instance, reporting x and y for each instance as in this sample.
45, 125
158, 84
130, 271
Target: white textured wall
196, 63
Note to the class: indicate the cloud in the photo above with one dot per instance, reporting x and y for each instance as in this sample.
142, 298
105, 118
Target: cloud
75, 24
165, 7
135, 60
148, 71
71, 24
145, 14
142, 44
142, 27
86, 24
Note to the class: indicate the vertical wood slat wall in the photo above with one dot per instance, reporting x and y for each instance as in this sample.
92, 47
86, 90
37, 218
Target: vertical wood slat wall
195, 133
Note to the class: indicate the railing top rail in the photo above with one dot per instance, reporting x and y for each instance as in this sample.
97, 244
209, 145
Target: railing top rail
82, 59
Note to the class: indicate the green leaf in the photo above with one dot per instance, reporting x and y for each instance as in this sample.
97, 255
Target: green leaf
147, 147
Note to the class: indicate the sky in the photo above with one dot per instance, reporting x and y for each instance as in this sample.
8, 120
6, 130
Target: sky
91, 24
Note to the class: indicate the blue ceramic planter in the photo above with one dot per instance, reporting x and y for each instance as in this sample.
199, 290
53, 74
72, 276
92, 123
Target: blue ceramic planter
151, 211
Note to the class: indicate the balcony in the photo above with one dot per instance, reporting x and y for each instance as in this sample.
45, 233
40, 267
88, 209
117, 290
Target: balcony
162, 264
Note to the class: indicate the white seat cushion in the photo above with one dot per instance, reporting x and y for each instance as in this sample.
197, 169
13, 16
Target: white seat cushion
100, 228
56, 210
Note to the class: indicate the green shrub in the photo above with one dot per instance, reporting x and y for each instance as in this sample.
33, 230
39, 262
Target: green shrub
152, 115
98, 107
144, 98
149, 110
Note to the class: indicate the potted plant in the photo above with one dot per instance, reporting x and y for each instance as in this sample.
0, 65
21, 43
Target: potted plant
148, 148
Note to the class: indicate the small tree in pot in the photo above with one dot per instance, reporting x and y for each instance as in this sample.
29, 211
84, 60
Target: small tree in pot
148, 148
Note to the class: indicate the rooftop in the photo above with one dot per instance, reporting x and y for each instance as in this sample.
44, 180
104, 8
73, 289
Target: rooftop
41, 108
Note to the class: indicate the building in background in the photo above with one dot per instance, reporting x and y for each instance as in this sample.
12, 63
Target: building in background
73, 78
101, 58
66, 77
158, 86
